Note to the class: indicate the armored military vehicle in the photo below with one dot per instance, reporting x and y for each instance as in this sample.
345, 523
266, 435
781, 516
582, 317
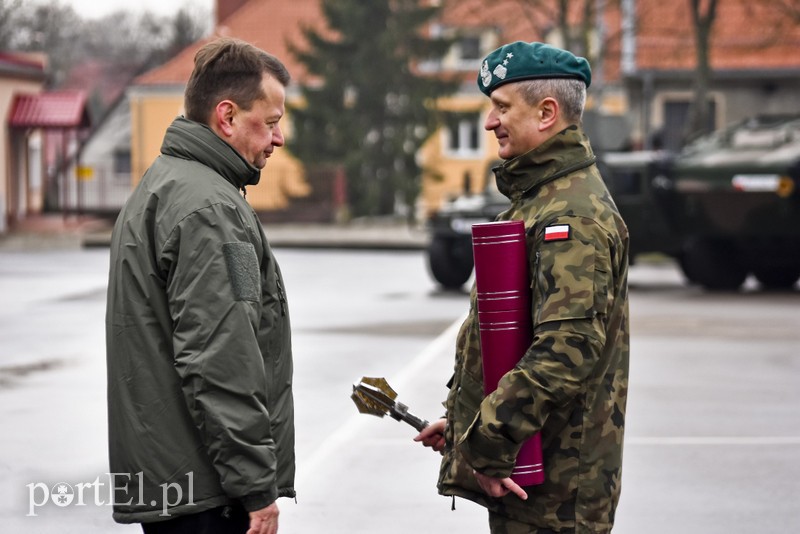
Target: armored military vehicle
634, 178
735, 204
726, 206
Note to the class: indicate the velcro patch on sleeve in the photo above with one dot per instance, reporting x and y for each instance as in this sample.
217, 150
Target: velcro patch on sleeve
557, 232
243, 271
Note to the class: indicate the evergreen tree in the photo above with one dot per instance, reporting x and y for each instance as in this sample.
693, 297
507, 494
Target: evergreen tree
367, 106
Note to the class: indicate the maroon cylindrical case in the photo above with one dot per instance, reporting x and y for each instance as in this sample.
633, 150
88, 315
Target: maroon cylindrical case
504, 315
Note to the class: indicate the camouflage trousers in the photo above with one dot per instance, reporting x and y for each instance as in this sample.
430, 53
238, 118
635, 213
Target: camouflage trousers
500, 524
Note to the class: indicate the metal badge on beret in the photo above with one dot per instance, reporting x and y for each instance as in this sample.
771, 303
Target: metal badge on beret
526, 61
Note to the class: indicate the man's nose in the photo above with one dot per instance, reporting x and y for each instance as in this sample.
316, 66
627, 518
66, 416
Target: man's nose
277, 136
492, 122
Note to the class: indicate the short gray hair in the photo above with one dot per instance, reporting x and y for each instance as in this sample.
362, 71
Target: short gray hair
570, 94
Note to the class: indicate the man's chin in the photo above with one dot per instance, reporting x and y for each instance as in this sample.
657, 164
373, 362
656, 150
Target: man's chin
504, 153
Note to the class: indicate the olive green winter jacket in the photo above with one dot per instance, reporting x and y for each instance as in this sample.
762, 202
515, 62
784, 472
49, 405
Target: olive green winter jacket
199, 356
571, 384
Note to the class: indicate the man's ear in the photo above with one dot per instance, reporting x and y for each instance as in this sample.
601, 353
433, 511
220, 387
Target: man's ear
548, 113
223, 117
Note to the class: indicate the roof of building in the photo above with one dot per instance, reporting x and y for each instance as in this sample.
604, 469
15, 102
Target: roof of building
104, 81
21, 66
63, 109
746, 35
267, 24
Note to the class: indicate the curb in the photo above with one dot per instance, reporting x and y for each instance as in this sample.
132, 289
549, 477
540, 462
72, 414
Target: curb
54, 232
318, 237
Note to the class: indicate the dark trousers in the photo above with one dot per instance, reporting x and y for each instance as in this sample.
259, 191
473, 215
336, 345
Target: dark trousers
222, 520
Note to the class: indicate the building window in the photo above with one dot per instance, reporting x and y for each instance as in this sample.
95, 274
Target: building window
462, 136
676, 115
469, 48
671, 115
122, 161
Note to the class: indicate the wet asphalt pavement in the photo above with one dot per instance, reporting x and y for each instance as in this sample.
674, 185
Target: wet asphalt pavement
713, 431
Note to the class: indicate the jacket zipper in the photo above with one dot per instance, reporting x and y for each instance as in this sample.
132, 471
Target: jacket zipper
281, 296
536, 286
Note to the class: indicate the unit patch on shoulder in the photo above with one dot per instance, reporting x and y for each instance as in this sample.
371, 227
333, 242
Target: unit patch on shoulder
557, 232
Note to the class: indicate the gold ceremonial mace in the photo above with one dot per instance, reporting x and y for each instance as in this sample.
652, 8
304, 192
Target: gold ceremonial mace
375, 396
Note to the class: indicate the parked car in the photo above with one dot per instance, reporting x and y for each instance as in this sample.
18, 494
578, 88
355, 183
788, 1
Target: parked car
727, 206
450, 248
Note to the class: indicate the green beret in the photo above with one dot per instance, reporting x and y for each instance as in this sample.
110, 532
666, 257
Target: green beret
527, 61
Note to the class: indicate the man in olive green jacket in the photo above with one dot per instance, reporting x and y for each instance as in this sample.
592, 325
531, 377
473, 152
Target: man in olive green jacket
201, 422
571, 384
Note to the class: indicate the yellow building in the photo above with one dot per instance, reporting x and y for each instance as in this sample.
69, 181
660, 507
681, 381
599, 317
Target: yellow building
454, 159
156, 98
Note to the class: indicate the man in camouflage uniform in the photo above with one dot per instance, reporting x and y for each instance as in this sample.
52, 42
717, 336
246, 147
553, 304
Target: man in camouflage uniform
572, 382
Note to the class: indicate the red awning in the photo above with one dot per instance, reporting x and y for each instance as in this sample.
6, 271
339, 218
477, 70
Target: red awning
65, 109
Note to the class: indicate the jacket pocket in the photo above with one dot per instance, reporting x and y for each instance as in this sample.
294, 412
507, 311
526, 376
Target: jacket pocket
243, 270
536, 288
565, 282
603, 282
466, 399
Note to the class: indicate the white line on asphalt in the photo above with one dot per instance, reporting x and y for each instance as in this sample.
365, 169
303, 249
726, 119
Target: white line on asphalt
714, 440
311, 466
423, 359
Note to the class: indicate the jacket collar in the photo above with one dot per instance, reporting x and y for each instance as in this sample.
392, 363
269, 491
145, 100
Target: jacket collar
562, 154
195, 141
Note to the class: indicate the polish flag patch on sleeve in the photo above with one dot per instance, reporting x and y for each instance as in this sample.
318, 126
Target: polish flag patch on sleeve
557, 232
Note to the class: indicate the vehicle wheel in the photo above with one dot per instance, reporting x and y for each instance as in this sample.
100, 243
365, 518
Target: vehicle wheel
449, 266
690, 276
715, 265
777, 276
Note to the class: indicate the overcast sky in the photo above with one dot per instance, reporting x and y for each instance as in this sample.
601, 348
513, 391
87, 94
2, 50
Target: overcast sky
98, 8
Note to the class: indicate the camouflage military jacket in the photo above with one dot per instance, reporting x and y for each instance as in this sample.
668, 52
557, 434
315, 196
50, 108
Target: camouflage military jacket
572, 382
